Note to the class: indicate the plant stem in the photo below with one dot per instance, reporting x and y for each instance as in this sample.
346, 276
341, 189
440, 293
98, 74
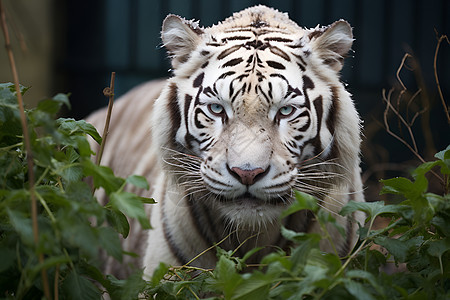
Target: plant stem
27, 143
109, 92
436, 77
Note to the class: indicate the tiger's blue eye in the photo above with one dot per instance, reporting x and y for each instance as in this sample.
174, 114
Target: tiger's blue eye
216, 109
286, 111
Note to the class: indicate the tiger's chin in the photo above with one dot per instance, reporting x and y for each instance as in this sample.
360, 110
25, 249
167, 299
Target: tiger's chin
248, 212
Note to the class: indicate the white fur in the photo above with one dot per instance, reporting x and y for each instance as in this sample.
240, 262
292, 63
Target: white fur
240, 143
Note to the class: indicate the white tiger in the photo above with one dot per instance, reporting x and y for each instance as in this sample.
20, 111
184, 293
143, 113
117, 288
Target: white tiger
254, 110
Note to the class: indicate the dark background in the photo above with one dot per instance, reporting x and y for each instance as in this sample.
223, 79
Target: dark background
97, 37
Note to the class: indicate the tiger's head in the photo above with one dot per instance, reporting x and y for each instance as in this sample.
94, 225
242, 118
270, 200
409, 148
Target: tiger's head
256, 109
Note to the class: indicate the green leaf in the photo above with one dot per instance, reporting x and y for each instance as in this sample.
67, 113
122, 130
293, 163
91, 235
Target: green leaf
255, 287
79, 287
133, 286
138, 181
306, 241
302, 201
10, 124
52, 106
444, 154
438, 248
118, 221
71, 127
226, 276
22, 224
8, 258
159, 273
358, 290
131, 205
400, 249
109, 240
369, 277
102, 176
372, 209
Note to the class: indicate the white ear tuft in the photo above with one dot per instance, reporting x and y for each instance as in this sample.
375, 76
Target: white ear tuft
332, 43
180, 37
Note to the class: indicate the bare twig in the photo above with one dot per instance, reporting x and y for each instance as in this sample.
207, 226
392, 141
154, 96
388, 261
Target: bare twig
390, 107
27, 143
442, 38
407, 124
108, 92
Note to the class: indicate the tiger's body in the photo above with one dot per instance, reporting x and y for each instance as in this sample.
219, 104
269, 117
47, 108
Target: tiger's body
255, 109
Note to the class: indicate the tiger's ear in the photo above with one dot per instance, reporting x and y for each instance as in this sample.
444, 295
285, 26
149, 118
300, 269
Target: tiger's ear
332, 43
180, 37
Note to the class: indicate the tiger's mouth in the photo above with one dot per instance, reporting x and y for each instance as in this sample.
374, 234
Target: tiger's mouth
249, 199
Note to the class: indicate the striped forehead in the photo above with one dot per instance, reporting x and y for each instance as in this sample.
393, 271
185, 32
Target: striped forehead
250, 64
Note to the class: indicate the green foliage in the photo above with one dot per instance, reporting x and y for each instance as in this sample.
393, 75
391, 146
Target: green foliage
416, 242
73, 226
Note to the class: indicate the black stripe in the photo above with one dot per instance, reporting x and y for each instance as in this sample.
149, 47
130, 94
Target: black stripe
280, 53
187, 103
278, 39
174, 110
318, 105
197, 122
332, 119
225, 75
208, 91
264, 94
228, 51
307, 83
349, 230
207, 146
279, 76
176, 251
232, 62
300, 58
275, 65
199, 80
235, 38
203, 222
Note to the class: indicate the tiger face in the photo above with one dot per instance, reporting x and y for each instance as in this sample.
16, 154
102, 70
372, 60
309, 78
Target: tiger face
256, 111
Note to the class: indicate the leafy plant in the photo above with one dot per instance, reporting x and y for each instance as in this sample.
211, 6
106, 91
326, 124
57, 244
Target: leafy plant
72, 226
417, 237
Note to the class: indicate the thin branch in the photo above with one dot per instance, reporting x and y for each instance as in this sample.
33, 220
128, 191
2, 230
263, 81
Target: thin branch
31, 179
443, 37
108, 92
389, 107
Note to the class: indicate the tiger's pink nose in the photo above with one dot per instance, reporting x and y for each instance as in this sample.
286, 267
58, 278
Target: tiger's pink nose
248, 177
